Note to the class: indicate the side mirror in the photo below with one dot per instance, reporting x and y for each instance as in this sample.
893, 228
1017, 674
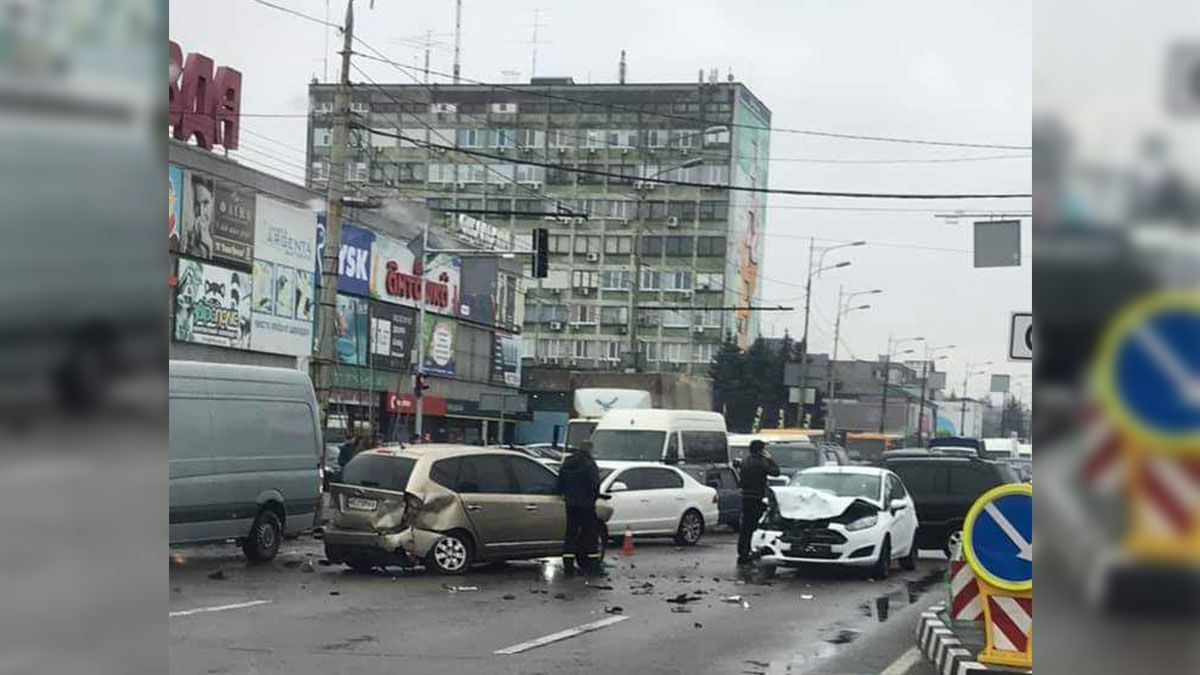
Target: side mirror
898, 505
618, 486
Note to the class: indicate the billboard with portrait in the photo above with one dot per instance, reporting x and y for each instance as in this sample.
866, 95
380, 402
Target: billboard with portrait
212, 305
439, 345
217, 220
392, 331
284, 286
351, 330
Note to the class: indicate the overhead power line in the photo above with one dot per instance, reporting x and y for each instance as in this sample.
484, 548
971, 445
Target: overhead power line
666, 181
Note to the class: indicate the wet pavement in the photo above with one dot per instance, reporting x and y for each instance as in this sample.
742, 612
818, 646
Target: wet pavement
666, 609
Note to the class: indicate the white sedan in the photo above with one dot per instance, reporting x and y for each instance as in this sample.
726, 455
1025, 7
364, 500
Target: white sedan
842, 515
657, 500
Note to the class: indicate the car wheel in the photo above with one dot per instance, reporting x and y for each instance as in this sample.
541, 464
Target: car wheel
262, 543
909, 562
883, 566
691, 527
953, 541
451, 554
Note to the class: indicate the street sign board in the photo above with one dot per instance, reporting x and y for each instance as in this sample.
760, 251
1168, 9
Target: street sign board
998, 537
998, 243
1020, 337
1000, 384
1150, 369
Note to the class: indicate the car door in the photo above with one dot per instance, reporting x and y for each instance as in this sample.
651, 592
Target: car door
545, 519
729, 493
904, 521
928, 484
493, 505
631, 506
665, 499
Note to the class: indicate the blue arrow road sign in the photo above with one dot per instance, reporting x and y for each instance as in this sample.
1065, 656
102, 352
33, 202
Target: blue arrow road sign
1156, 371
998, 537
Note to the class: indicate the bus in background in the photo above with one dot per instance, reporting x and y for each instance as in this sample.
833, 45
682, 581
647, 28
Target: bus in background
869, 445
590, 405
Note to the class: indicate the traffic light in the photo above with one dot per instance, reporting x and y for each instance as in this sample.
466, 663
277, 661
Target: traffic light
541, 253
419, 385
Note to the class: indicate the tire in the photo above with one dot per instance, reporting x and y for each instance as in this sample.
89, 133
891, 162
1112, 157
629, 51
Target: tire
953, 536
909, 562
691, 528
883, 566
451, 555
262, 542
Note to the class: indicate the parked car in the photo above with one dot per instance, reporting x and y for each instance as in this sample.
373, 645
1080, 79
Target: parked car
671, 436
843, 515
725, 481
244, 455
944, 487
547, 453
657, 501
793, 454
447, 507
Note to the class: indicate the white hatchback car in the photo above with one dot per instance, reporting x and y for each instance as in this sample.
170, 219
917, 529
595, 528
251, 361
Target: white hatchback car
843, 515
657, 500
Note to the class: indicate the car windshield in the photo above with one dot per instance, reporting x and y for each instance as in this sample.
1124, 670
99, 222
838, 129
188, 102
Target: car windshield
379, 471
628, 444
579, 431
793, 456
841, 484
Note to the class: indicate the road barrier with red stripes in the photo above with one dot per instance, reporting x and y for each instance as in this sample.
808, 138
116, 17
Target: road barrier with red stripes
1008, 630
965, 604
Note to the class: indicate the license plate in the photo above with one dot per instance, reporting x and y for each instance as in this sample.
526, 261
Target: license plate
360, 504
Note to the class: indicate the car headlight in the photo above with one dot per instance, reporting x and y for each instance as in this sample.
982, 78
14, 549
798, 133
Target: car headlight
863, 523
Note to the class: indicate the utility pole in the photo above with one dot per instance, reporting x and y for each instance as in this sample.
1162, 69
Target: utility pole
887, 373
327, 311
925, 367
635, 284
804, 337
419, 423
837, 332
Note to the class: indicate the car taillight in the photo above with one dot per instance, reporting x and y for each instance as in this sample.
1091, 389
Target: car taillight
714, 499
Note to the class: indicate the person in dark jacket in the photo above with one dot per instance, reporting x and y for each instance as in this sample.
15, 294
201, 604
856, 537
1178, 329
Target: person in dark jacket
579, 484
347, 450
755, 469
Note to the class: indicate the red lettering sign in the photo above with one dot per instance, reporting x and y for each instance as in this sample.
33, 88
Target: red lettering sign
408, 287
202, 104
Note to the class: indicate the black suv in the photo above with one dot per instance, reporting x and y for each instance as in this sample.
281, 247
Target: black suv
944, 487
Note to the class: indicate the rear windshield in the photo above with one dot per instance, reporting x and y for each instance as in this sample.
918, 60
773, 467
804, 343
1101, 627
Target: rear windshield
379, 471
793, 457
628, 444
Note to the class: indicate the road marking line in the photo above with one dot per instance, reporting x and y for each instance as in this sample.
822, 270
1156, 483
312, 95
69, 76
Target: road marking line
561, 635
218, 608
901, 665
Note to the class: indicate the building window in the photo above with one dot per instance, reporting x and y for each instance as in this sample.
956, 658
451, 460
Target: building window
684, 138
675, 352
710, 318
680, 280
587, 244
678, 246
503, 138
651, 280
530, 174
649, 350
551, 348
710, 247
320, 171
584, 314
322, 137
594, 138
584, 279
471, 138
562, 176
656, 138
531, 138
443, 108
617, 245
615, 280
703, 352
652, 245
585, 349
410, 172
716, 136
561, 138
323, 107
472, 173
675, 318
560, 243
713, 210
714, 174
360, 107
357, 172
504, 108
710, 281
614, 315
500, 173
622, 138
442, 173
610, 350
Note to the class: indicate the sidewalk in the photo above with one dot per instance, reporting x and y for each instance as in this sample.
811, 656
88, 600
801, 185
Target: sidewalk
952, 646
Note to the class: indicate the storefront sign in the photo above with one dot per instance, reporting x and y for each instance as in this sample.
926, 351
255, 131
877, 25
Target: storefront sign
201, 103
217, 221
354, 260
284, 291
212, 305
395, 276
506, 360
392, 331
351, 330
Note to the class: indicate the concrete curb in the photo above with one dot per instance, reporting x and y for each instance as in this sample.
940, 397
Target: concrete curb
946, 651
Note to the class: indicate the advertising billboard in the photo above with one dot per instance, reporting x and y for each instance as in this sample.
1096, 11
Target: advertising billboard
284, 286
174, 206
747, 214
354, 260
506, 360
439, 346
478, 302
392, 332
350, 340
217, 220
212, 305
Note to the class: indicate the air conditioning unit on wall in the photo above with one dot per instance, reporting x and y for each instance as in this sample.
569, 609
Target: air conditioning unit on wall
556, 325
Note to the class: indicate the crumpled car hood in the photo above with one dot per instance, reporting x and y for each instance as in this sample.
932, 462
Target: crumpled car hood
805, 503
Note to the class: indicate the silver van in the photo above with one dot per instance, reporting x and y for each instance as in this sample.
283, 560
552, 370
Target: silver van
244, 455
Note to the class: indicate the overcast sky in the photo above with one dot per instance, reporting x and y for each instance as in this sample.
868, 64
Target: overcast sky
941, 70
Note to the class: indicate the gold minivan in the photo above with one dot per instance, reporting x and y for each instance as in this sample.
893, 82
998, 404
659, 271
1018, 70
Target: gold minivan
447, 507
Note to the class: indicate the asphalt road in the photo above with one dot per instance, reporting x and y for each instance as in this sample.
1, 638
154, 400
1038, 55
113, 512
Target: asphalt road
332, 620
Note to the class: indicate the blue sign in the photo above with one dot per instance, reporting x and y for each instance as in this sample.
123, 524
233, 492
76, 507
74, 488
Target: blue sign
1155, 371
354, 260
998, 537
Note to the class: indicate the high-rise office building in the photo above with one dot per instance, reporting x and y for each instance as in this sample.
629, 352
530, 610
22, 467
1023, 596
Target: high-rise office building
575, 158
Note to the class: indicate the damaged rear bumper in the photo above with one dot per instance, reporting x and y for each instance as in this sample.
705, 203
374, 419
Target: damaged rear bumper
405, 547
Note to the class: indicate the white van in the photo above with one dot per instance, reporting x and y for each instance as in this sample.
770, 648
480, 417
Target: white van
1000, 448
671, 436
244, 455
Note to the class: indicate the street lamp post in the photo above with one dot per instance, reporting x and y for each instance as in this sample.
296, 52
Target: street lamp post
813, 272
635, 284
887, 372
926, 367
843, 309
962, 415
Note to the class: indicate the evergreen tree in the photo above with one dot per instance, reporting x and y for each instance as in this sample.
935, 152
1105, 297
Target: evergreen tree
731, 390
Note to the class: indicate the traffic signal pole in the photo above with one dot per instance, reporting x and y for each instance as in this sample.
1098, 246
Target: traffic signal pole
419, 372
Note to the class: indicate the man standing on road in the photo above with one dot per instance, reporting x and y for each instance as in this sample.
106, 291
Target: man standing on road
755, 470
579, 484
